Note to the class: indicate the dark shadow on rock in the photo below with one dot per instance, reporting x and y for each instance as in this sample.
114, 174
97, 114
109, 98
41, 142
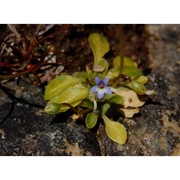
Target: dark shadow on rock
147, 71
14, 101
62, 117
151, 101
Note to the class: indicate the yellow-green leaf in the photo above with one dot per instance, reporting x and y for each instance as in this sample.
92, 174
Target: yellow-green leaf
128, 62
131, 71
99, 45
102, 67
115, 130
137, 87
65, 107
142, 79
82, 75
59, 84
113, 73
52, 108
98, 68
72, 96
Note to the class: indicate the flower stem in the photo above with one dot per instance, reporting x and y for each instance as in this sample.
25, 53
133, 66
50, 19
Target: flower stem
121, 49
95, 106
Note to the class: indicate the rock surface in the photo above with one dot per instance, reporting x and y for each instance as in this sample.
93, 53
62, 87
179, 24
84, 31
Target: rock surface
156, 131
153, 132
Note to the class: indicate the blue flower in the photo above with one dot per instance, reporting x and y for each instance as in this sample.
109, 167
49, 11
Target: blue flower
101, 87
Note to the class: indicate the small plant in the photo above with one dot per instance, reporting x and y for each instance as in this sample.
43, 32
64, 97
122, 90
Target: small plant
96, 93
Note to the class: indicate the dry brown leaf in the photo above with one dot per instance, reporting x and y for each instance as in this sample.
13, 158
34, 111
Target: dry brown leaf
130, 97
129, 113
75, 116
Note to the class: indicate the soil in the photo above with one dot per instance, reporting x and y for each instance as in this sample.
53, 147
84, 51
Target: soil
25, 130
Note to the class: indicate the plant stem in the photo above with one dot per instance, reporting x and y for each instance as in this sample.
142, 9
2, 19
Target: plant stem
95, 106
121, 49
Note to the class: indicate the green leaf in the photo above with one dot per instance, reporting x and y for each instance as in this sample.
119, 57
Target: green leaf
59, 84
115, 130
137, 87
72, 96
102, 67
142, 79
52, 108
90, 74
66, 106
105, 107
113, 73
99, 45
128, 62
130, 68
88, 70
87, 104
91, 120
117, 62
114, 98
132, 71
82, 75
98, 68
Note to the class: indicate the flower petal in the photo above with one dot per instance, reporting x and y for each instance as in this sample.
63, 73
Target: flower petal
107, 90
94, 89
100, 94
98, 80
105, 81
